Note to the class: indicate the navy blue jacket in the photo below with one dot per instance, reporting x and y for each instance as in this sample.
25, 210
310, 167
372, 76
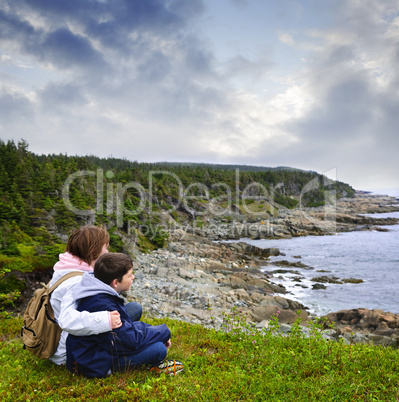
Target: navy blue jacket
95, 355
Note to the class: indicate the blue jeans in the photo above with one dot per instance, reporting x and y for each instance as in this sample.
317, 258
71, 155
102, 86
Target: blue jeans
134, 310
152, 355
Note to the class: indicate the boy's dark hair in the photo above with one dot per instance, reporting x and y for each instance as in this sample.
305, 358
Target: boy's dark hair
112, 266
87, 242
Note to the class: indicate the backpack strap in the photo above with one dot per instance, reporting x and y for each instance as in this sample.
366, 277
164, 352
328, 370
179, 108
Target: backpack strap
64, 278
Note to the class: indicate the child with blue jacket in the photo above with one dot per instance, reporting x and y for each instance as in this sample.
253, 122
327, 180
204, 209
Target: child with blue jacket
129, 346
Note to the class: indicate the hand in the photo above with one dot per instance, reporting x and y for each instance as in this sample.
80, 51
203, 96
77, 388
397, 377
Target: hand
115, 319
168, 344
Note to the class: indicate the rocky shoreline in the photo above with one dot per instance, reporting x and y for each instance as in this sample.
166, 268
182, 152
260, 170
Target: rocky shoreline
347, 214
198, 280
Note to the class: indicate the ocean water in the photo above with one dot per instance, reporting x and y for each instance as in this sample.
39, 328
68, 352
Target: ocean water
370, 255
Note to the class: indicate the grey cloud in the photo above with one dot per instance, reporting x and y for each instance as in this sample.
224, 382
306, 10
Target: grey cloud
155, 67
60, 47
111, 22
65, 49
132, 31
345, 112
131, 35
387, 122
198, 60
352, 124
128, 13
62, 96
14, 108
336, 56
13, 28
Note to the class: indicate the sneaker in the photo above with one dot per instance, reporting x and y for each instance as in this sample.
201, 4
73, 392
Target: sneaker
171, 367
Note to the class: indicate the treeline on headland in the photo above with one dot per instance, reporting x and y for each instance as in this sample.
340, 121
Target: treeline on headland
43, 197
34, 190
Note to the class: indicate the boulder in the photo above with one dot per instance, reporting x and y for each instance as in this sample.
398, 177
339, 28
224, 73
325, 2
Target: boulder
318, 286
376, 321
352, 280
327, 279
235, 282
261, 313
282, 302
242, 247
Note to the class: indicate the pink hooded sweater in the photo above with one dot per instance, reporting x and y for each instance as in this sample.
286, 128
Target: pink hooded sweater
70, 262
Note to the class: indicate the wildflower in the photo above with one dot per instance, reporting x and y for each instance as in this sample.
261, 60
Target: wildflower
278, 311
253, 341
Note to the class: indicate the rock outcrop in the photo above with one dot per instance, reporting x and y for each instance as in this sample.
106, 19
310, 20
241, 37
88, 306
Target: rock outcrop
376, 327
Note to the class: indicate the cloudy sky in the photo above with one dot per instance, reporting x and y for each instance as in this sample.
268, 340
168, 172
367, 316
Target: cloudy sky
304, 83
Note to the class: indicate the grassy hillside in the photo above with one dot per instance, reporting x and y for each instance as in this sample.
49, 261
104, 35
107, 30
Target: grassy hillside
220, 366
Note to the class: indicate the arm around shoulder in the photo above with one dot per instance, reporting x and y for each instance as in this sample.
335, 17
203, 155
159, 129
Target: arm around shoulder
81, 323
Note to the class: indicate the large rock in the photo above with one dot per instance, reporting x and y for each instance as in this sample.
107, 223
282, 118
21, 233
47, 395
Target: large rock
261, 313
242, 247
253, 282
378, 322
235, 282
271, 307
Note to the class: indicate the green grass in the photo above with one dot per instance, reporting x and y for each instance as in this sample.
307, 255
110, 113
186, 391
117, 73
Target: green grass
219, 366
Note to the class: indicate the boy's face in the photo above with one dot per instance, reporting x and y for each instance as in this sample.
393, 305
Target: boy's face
126, 281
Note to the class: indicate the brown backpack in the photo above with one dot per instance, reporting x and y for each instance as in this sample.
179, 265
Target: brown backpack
41, 332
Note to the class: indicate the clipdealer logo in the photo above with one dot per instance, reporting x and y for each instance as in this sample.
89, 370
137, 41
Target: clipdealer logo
113, 196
